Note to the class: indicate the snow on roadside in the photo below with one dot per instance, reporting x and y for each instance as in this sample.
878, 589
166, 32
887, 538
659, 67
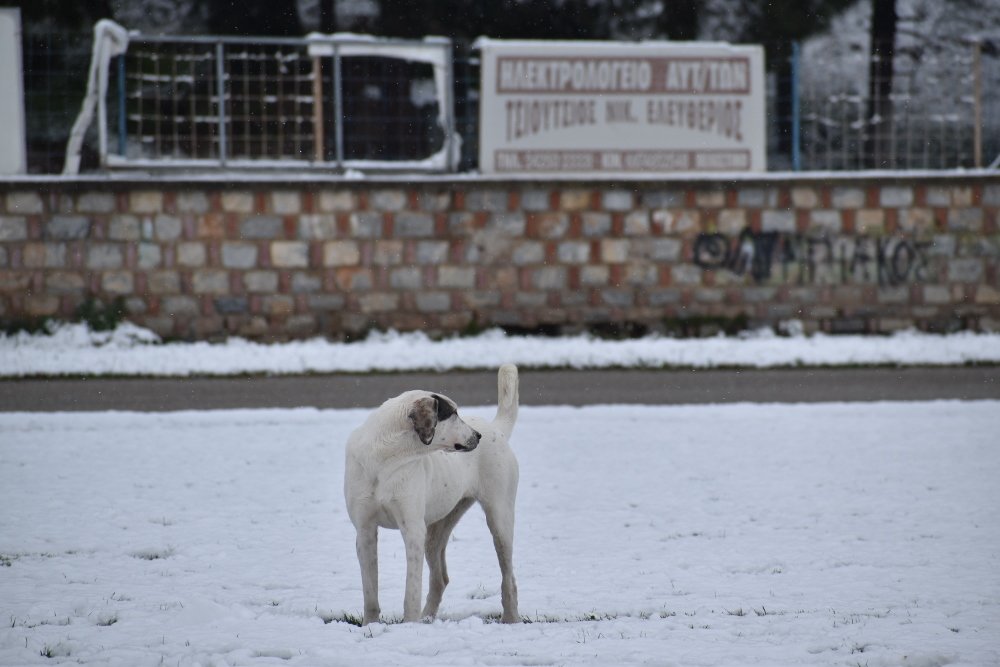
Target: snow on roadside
130, 350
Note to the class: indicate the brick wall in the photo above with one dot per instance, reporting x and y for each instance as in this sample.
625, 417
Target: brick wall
203, 259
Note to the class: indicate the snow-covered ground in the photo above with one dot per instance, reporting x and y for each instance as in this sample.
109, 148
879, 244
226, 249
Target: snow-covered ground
829, 534
130, 350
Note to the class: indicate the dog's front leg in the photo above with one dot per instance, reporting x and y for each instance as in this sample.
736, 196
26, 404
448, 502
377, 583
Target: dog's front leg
414, 531
367, 545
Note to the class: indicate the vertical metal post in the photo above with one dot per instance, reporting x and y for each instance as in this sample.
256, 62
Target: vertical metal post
451, 157
122, 127
319, 140
796, 110
977, 103
338, 107
220, 85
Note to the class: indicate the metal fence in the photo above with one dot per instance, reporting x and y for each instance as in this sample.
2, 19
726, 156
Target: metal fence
284, 106
323, 102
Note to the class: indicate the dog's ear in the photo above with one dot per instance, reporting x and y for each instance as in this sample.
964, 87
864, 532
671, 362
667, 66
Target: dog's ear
424, 416
444, 407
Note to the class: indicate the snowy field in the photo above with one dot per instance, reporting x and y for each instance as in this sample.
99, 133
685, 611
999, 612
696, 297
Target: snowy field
130, 350
823, 534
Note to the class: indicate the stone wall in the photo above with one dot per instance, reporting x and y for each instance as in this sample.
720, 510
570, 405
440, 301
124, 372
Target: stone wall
205, 259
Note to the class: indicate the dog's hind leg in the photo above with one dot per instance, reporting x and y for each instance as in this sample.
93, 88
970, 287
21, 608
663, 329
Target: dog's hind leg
438, 535
367, 545
500, 519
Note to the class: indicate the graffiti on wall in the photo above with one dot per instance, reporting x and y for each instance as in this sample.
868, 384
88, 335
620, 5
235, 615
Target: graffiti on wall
770, 256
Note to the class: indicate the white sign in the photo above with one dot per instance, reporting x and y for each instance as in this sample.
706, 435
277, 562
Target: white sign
12, 152
611, 107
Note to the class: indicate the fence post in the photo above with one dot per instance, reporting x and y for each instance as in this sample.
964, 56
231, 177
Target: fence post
122, 127
319, 140
220, 76
796, 109
338, 106
977, 103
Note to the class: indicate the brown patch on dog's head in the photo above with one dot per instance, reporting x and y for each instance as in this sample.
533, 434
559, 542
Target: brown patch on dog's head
424, 416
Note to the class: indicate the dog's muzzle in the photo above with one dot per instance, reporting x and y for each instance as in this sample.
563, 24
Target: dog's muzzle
469, 444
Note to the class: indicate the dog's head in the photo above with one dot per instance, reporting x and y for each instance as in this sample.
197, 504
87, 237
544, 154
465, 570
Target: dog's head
436, 421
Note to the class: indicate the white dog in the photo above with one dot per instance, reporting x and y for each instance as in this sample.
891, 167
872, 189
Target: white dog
416, 466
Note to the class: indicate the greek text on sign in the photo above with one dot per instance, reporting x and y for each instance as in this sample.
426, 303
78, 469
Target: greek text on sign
607, 107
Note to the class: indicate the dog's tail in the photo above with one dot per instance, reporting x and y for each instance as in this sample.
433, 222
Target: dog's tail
507, 398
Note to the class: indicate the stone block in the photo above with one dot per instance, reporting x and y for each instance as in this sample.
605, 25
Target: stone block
367, 225
13, 228
41, 305
325, 301
67, 227
118, 283
732, 221
511, 224
653, 199
636, 224
461, 224
574, 199
896, 196
965, 219
44, 255
191, 254
286, 202
105, 256
306, 283
573, 252
641, 274
25, 203
193, 201
918, 221
987, 295
432, 252
236, 255
991, 194
237, 201
388, 253
456, 277
618, 298
847, 197
378, 302
413, 225
967, 270
387, 200
63, 282
665, 250
259, 282
677, 221
435, 202
145, 201
594, 275
870, 221
938, 195
614, 251
685, 274
341, 253
433, 302
290, 254
491, 200
782, 221
756, 197
179, 306
167, 227
407, 278
936, 294
96, 202
826, 222
149, 255
232, 305
163, 282
663, 297
617, 200
210, 281
805, 197
710, 198
337, 200
262, 227
124, 228
319, 226
596, 224
549, 278
536, 200
527, 252
552, 224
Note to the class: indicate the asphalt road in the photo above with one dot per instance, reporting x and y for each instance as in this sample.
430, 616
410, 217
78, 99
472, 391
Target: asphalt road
562, 387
